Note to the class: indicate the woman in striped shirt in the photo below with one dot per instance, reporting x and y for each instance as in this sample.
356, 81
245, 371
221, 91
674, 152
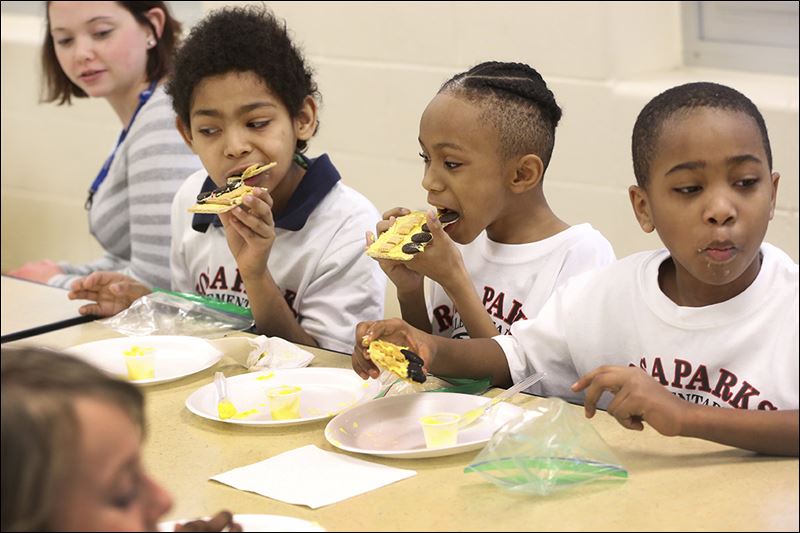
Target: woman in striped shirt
120, 51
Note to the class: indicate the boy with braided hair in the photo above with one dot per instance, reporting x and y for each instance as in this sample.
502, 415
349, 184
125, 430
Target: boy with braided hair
486, 140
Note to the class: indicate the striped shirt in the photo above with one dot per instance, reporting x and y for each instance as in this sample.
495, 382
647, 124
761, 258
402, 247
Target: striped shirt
130, 214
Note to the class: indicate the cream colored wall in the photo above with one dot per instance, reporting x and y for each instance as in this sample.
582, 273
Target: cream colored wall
378, 64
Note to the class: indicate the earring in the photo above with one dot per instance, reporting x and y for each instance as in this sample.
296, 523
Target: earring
151, 43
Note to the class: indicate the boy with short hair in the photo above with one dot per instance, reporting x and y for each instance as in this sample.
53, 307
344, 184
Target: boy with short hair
710, 321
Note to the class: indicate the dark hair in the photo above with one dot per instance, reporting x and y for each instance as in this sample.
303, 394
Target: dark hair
242, 39
57, 86
41, 431
516, 100
685, 98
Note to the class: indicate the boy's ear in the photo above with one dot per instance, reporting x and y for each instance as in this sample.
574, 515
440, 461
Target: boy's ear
641, 208
305, 123
185, 132
527, 173
776, 176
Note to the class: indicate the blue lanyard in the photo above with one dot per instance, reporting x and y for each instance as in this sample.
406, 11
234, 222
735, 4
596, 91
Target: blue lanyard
144, 96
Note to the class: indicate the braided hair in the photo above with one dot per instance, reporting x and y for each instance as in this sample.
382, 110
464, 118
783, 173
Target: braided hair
684, 99
515, 99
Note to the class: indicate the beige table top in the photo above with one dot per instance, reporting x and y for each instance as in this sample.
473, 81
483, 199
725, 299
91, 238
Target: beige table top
674, 483
27, 305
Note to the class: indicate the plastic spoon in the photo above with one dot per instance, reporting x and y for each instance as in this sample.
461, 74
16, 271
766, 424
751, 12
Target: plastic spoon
474, 414
225, 408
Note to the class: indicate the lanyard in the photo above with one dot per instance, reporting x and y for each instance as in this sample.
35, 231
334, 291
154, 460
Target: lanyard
144, 96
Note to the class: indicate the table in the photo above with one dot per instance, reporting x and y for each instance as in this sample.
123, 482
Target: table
30, 308
674, 483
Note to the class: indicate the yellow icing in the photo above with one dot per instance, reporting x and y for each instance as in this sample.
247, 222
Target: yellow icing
226, 409
245, 414
388, 356
137, 351
389, 244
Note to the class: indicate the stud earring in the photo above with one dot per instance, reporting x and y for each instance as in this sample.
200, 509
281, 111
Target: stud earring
151, 43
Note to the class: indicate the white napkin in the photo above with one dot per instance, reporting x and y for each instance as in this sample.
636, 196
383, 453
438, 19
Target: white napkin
256, 353
274, 352
313, 477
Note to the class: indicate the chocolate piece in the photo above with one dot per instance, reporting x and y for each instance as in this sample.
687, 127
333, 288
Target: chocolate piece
448, 217
415, 373
410, 248
421, 237
412, 357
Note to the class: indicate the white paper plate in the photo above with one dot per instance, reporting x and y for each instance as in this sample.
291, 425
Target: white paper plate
324, 392
258, 522
389, 427
175, 356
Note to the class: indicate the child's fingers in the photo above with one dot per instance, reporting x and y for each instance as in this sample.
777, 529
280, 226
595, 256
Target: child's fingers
263, 195
90, 309
362, 333
604, 380
258, 208
363, 366
220, 520
585, 380
395, 212
625, 411
383, 225
436, 230
252, 225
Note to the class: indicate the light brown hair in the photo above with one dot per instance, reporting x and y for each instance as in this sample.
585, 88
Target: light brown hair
40, 428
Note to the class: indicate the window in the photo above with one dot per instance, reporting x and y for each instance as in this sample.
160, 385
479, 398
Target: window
755, 36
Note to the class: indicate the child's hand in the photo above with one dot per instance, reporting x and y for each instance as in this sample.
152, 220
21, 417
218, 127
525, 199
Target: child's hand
396, 331
405, 279
637, 397
250, 230
113, 292
222, 521
441, 261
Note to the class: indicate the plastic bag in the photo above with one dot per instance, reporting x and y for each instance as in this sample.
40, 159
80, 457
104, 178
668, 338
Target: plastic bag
394, 386
173, 313
547, 449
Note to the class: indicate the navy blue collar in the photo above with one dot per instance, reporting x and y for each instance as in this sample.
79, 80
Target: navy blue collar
317, 182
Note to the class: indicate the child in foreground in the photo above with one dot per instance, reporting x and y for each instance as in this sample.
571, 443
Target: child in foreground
72, 450
680, 335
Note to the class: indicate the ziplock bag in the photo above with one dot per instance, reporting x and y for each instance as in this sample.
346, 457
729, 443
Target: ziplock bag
547, 449
393, 386
175, 313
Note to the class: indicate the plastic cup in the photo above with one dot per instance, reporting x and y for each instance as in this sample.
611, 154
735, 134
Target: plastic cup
141, 365
284, 402
440, 429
